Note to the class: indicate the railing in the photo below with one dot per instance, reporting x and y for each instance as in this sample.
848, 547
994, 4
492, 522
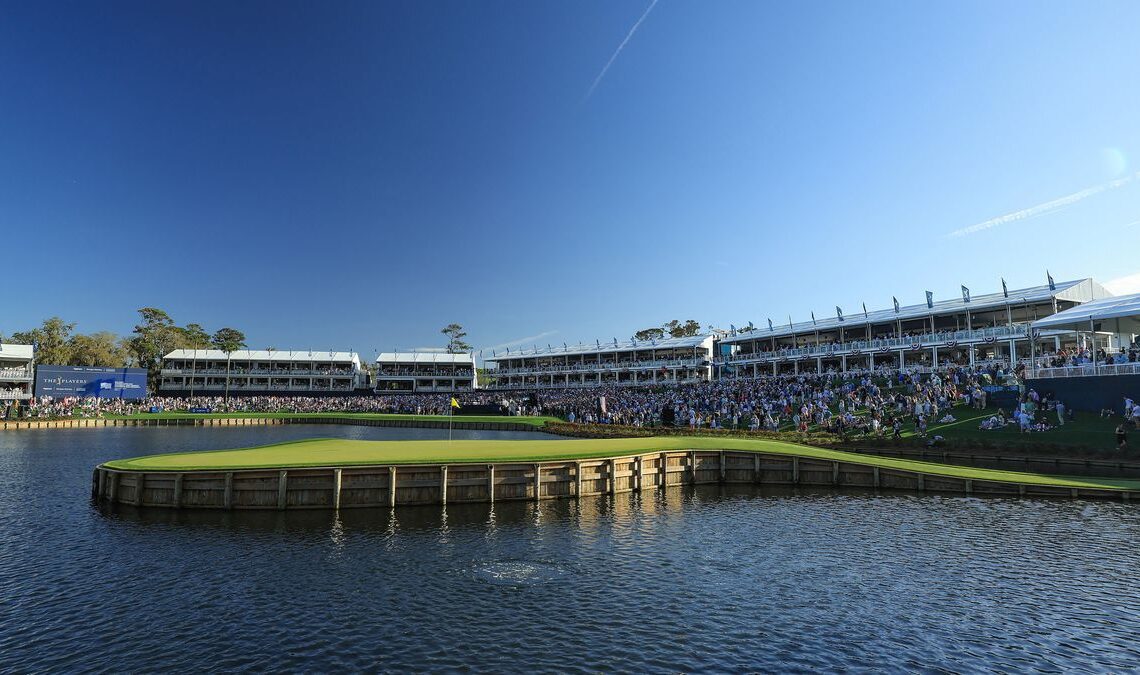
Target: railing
884, 345
269, 373
14, 395
235, 386
590, 385
1087, 370
428, 373
16, 374
599, 367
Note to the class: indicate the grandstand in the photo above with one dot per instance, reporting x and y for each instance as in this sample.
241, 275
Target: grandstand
990, 328
187, 372
16, 372
430, 372
669, 360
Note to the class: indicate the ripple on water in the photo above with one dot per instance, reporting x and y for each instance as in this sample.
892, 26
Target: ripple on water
516, 573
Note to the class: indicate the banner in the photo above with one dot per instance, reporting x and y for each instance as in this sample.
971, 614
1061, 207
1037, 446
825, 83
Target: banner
89, 382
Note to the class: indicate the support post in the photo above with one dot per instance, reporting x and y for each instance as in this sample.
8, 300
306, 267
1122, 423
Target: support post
443, 484
140, 484
637, 462
282, 490
664, 470
875, 474
177, 490
693, 467
228, 497
392, 486
921, 483
835, 473
795, 471
537, 482
577, 480
336, 489
100, 491
613, 476
756, 474
114, 486
491, 483
723, 469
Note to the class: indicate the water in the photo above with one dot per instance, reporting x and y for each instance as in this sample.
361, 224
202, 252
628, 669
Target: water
697, 580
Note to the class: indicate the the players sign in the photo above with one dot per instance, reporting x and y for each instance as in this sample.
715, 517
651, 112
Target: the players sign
61, 381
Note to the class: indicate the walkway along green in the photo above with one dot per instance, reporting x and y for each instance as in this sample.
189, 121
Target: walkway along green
335, 473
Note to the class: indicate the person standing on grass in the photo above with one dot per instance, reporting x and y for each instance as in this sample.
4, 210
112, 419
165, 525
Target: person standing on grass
1060, 413
1121, 437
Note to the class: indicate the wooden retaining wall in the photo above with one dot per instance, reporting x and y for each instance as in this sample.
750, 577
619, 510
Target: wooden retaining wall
261, 421
1026, 463
390, 486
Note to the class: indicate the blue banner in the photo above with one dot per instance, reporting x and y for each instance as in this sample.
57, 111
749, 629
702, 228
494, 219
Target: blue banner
88, 382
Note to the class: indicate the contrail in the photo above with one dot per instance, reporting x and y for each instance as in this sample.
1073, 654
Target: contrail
523, 340
617, 51
1042, 209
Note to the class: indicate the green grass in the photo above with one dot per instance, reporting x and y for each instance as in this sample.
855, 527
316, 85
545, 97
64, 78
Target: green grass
528, 421
339, 452
1087, 430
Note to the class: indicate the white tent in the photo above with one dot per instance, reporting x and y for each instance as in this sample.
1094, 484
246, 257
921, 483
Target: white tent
1120, 315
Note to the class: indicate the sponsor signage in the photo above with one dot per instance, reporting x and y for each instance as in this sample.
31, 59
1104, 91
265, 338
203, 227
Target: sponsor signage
89, 382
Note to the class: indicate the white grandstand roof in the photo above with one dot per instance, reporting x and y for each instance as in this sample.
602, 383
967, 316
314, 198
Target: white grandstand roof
266, 355
1080, 290
1119, 314
423, 357
599, 347
13, 351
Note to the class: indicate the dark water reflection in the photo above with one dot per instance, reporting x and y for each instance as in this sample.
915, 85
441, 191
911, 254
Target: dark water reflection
695, 580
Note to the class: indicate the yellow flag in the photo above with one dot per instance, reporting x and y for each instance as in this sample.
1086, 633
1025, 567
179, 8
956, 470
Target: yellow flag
454, 403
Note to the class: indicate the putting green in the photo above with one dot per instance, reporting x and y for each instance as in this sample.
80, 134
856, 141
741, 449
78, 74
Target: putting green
328, 452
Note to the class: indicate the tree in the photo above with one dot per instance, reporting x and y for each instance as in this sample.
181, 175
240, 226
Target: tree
229, 340
102, 349
677, 329
648, 334
455, 335
154, 337
195, 337
52, 341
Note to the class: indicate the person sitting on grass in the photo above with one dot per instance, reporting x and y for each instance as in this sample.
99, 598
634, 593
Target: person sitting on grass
1121, 437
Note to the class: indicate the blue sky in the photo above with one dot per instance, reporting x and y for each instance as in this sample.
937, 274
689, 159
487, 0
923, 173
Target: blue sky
358, 175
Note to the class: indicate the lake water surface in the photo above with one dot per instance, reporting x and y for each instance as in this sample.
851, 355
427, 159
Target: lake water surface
706, 579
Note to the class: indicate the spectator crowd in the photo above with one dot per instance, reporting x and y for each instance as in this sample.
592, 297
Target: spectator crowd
882, 402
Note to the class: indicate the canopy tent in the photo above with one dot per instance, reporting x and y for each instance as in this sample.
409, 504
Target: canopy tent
1120, 314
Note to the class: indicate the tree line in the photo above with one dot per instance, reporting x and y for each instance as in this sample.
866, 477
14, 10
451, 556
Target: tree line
674, 329
156, 334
